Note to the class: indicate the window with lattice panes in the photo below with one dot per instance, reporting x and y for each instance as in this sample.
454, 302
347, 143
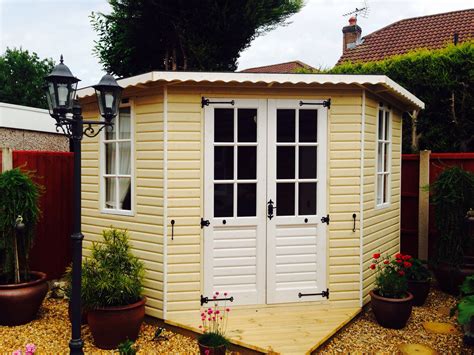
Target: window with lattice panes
383, 156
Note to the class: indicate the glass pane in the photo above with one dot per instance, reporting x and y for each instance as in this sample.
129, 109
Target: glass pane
380, 158
285, 199
380, 183
385, 189
387, 125
308, 125
246, 200
110, 193
385, 157
380, 134
110, 131
124, 123
285, 125
247, 125
247, 163
223, 163
307, 162
110, 158
124, 158
224, 125
125, 194
307, 198
285, 162
223, 200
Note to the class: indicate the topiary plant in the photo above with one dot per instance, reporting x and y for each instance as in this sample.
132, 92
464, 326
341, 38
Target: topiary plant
111, 276
19, 207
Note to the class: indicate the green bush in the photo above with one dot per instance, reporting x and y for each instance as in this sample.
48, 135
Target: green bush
112, 276
19, 196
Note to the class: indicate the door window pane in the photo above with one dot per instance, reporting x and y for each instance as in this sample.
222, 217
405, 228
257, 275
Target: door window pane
125, 194
124, 158
223, 163
285, 125
110, 158
285, 202
110, 196
223, 200
307, 162
247, 163
124, 124
308, 125
285, 162
247, 125
307, 198
381, 137
224, 125
246, 200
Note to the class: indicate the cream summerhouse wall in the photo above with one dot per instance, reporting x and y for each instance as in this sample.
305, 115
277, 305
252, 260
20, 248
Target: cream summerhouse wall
145, 225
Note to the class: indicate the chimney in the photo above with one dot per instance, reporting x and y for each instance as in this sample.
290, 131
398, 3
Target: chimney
351, 34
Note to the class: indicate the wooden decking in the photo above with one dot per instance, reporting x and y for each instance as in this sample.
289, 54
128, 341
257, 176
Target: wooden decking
284, 329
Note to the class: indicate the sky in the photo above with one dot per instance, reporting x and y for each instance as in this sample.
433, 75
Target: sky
54, 27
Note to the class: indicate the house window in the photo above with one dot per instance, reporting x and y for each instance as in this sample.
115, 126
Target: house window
384, 137
117, 170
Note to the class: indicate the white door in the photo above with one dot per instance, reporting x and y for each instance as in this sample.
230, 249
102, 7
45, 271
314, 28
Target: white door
251, 157
296, 184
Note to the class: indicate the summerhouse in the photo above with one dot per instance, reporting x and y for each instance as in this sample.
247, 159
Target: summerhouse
274, 188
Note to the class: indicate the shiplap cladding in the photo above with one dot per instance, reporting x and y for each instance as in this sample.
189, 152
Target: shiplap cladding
146, 225
381, 226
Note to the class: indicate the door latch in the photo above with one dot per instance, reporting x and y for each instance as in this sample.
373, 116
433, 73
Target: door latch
325, 219
204, 223
270, 209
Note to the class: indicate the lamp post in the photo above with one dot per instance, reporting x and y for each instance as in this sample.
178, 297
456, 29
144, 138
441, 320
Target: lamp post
60, 92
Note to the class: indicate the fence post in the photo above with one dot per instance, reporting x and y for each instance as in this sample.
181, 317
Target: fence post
423, 205
7, 159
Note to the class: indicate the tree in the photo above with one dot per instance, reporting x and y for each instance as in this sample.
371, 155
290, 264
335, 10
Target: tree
144, 35
22, 78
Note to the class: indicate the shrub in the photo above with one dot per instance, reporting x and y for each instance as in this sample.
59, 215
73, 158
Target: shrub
390, 275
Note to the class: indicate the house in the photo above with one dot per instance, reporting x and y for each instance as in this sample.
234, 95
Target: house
275, 188
282, 68
431, 32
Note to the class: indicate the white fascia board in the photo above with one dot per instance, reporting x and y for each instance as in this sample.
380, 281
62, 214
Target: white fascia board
26, 118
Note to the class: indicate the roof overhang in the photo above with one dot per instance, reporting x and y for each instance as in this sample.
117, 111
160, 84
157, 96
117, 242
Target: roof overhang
373, 83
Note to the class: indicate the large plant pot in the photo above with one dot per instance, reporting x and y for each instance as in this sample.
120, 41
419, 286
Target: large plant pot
19, 303
419, 290
111, 326
391, 312
206, 350
450, 277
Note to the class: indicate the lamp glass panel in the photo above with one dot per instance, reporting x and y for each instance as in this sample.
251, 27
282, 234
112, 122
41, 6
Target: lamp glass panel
63, 94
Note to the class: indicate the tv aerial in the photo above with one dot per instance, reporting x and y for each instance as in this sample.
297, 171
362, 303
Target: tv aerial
362, 12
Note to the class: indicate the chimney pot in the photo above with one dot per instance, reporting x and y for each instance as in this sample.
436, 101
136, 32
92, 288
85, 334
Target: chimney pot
353, 21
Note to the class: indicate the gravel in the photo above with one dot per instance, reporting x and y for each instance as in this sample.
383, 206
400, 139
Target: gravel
365, 335
51, 331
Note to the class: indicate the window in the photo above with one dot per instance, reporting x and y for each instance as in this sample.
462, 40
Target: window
117, 170
383, 157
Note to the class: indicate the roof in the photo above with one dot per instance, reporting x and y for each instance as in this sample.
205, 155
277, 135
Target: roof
282, 68
378, 84
26, 118
431, 32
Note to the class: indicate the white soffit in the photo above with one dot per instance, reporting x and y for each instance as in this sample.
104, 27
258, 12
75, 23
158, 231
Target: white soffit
366, 81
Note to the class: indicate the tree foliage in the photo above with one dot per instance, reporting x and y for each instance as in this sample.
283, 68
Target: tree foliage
144, 35
22, 78
444, 80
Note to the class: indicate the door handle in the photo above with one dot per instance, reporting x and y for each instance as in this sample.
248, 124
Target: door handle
270, 208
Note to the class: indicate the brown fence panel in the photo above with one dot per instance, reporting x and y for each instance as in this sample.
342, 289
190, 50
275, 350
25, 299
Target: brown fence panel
51, 252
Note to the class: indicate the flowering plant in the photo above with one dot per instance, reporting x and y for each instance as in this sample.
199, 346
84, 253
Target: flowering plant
214, 324
390, 277
30, 350
417, 271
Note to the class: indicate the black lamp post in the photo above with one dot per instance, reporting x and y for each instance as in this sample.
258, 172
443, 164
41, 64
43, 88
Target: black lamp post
60, 92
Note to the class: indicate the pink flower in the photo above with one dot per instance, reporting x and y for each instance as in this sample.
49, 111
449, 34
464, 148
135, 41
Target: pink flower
214, 297
30, 348
209, 311
207, 352
227, 309
217, 312
213, 318
217, 293
209, 319
225, 294
17, 352
203, 314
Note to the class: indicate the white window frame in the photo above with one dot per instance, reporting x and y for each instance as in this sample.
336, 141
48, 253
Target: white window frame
386, 171
102, 162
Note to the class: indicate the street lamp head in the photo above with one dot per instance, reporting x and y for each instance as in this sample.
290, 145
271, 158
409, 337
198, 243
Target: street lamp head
60, 90
108, 97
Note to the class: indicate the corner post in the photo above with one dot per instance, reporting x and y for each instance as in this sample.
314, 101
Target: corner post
423, 205
7, 159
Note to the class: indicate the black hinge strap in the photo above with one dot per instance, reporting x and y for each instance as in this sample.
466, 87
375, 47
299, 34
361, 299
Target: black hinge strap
206, 102
323, 294
325, 219
207, 300
205, 223
325, 103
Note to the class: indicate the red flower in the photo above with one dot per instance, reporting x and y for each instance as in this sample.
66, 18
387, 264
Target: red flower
407, 264
398, 261
401, 273
386, 262
376, 255
398, 256
372, 266
406, 257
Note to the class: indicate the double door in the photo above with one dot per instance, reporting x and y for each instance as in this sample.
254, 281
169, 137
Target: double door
264, 197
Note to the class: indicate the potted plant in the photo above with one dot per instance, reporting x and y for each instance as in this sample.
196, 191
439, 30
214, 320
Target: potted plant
419, 280
112, 286
465, 308
391, 302
21, 290
452, 196
214, 322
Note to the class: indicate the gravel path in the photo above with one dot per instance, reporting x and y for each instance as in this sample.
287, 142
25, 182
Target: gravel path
51, 332
365, 335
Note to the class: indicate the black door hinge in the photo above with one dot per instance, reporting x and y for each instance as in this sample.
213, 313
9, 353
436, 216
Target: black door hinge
204, 223
322, 294
207, 299
325, 219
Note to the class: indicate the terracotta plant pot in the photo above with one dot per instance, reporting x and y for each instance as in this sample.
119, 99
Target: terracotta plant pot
391, 312
83, 313
111, 326
206, 350
450, 278
19, 303
419, 290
